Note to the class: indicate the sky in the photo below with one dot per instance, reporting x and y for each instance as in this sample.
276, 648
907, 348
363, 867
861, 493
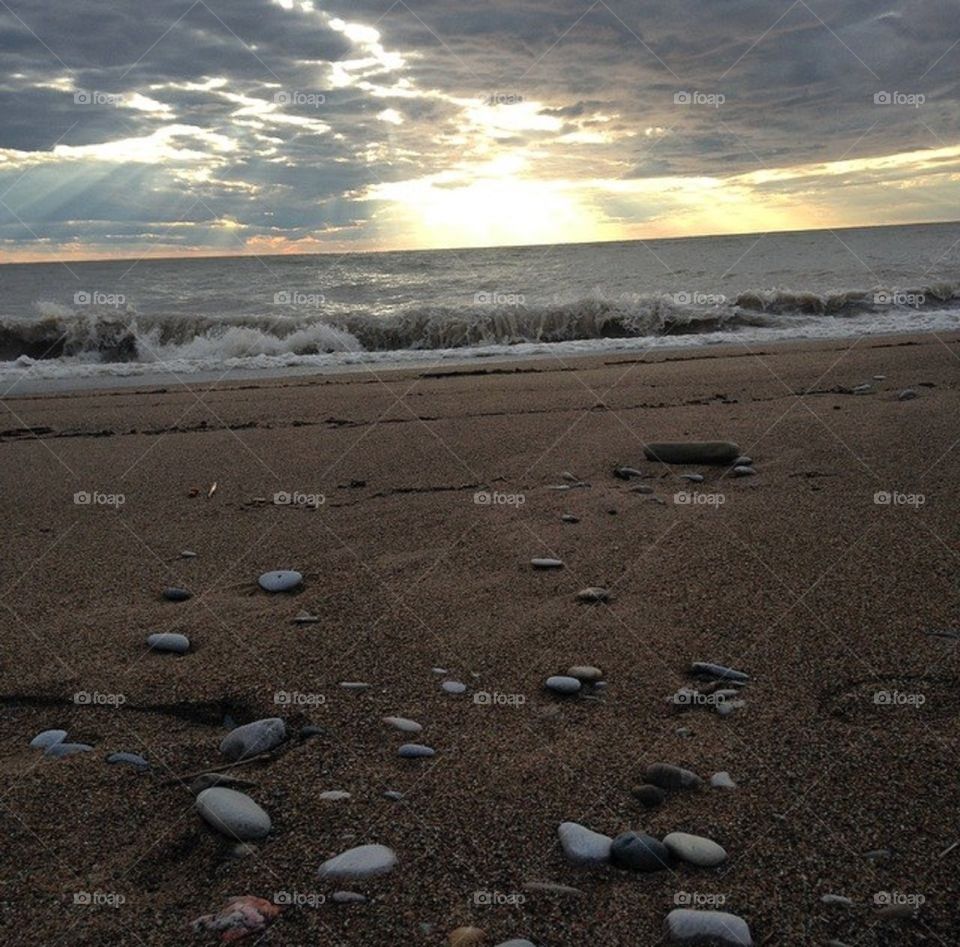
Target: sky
203, 127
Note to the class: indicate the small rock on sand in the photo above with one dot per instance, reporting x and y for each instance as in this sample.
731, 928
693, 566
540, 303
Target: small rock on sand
639, 852
416, 751
569, 518
695, 849
551, 887
253, 738
706, 669
403, 724
693, 452
583, 846
348, 897
908, 394
354, 685
562, 684
837, 899
176, 595
593, 593
129, 759
60, 750
722, 780
692, 477
546, 563
280, 580
233, 813
48, 738
364, 861
649, 796
169, 641
334, 795
454, 687
585, 673
743, 471
668, 776
689, 926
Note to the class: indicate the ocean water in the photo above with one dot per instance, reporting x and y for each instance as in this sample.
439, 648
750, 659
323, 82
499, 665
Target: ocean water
104, 322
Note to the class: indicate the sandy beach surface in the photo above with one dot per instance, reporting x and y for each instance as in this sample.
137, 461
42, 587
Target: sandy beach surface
820, 576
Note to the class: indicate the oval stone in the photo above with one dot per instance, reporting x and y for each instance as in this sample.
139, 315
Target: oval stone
546, 563
59, 750
169, 641
233, 813
280, 580
593, 594
364, 861
253, 738
689, 926
667, 776
348, 897
743, 471
695, 849
454, 687
416, 751
583, 846
563, 684
129, 759
48, 738
585, 673
176, 595
403, 724
639, 852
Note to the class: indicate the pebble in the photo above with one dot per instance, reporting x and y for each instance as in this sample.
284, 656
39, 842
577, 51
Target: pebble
585, 673
253, 738
169, 641
551, 887
454, 687
693, 452
176, 595
439, 670
593, 594
546, 563
48, 738
582, 846
239, 918
626, 473
334, 795
562, 684
837, 899
643, 488
466, 937
188, 554
689, 926
233, 813
311, 730
639, 852
695, 849
722, 780
281, 580
667, 776
743, 471
59, 750
130, 759
879, 377
354, 685
692, 477
908, 394
403, 724
569, 518
683, 732
863, 389
894, 911
706, 669
394, 795
348, 897
415, 751
743, 461
649, 796
364, 861
305, 618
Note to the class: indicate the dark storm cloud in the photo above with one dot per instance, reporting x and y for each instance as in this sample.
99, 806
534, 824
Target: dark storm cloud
627, 87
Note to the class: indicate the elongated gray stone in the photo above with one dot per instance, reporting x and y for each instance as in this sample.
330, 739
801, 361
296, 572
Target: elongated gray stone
693, 452
667, 776
562, 684
695, 849
551, 887
454, 687
706, 669
546, 563
169, 641
280, 580
743, 471
416, 751
48, 738
232, 813
173, 594
583, 846
585, 673
129, 759
593, 593
689, 926
253, 738
639, 852
403, 724
59, 750
364, 861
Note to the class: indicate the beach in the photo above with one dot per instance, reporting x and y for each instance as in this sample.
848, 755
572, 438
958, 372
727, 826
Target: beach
412, 503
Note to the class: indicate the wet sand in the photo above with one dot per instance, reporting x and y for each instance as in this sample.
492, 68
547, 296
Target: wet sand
798, 576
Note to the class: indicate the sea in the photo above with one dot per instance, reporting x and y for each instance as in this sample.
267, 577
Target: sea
101, 324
